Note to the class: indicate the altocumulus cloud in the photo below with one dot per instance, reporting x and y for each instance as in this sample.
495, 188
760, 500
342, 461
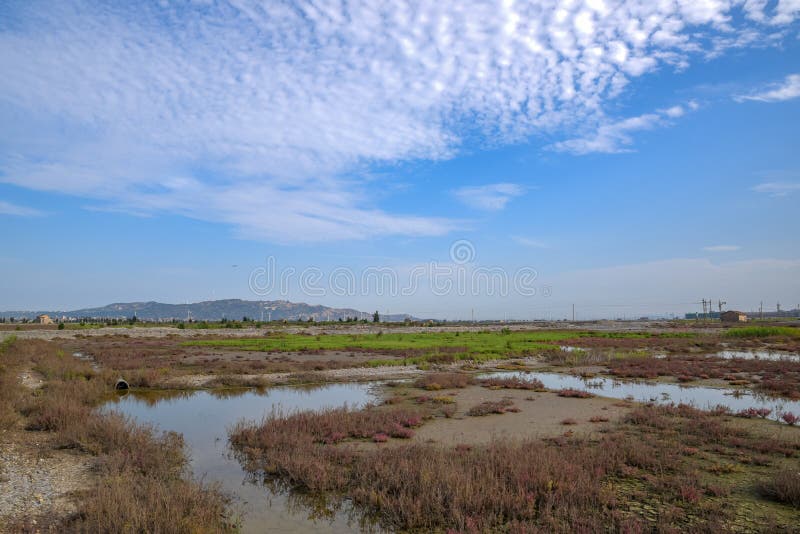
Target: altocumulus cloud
259, 114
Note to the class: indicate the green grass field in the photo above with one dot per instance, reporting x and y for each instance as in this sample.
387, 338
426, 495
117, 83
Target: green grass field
763, 331
473, 341
416, 348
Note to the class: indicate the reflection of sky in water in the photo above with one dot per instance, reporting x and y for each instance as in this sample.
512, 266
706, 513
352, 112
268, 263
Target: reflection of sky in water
204, 419
700, 397
728, 354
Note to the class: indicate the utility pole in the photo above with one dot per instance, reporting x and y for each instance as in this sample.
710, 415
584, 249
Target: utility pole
779, 307
573, 313
704, 308
473, 315
761, 310
721, 303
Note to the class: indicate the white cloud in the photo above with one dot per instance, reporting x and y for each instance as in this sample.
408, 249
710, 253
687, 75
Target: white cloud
491, 197
529, 242
609, 138
615, 136
777, 189
722, 248
786, 11
7, 208
674, 112
788, 89
258, 114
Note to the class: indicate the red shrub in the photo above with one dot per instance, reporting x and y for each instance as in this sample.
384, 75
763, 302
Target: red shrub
437, 381
575, 393
749, 413
411, 420
513, 382
401, 432
790, 419
489, 407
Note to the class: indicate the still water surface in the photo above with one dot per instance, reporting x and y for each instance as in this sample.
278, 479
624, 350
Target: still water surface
663, 393
203, 419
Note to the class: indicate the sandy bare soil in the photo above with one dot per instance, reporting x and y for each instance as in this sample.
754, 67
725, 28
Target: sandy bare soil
353, 374
540, 416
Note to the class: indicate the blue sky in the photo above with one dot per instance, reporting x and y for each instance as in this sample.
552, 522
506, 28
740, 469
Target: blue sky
638, 156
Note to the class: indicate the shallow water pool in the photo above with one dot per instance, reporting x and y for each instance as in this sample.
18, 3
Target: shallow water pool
662, 393
204, 418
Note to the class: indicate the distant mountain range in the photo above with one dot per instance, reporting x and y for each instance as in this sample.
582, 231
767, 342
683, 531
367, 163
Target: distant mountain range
211, 310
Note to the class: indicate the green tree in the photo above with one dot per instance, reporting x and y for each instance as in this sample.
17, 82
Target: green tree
376, 317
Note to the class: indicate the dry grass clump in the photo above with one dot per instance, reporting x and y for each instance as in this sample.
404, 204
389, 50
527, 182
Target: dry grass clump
125, 503
490, 407
561, 485
11, 391
478, 488
336, 424
790, 419
437, 399
575, 393
783, 487
299, 447
426, 488
782, 385
750, 413
513, 382
437, 381
598, 419
142, 482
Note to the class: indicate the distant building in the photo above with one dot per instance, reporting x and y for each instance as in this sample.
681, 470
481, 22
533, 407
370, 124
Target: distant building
44, 319
733, 317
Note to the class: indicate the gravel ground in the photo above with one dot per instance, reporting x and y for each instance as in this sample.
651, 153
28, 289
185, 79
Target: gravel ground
35, 481
30, 379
